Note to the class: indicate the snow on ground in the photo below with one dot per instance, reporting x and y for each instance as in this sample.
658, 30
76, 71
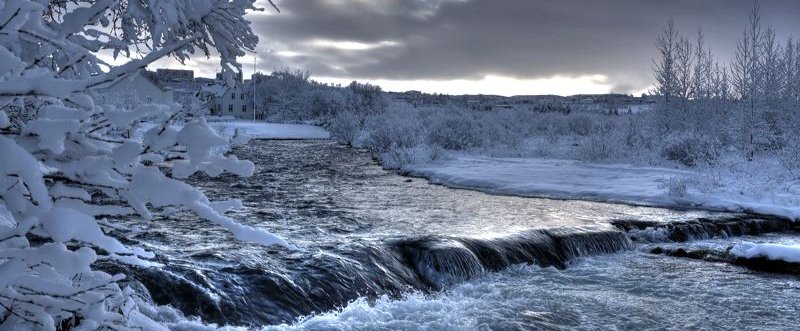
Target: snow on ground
263, 130
550, 178
256, 130
784, 252
568, 179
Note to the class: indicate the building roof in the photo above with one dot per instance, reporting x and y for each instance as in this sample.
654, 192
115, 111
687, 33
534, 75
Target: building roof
142, 73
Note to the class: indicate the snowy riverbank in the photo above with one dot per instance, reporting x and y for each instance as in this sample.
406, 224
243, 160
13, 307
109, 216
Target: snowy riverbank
569, 179
263, 130
255, 130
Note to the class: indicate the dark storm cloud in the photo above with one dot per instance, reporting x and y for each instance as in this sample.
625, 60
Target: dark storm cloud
526, 39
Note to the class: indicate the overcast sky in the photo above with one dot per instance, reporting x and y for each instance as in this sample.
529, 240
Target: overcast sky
503, 47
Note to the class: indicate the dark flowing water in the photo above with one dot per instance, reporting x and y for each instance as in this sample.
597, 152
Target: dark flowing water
382, 251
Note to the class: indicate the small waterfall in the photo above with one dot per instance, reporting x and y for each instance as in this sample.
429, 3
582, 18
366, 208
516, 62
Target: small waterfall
280, 290
704, 228
286, 286
276, 291
578, 242
667, 238
440, 261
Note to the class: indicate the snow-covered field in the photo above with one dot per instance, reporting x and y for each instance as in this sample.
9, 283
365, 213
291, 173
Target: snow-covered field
568, 179
263, 130
551, 178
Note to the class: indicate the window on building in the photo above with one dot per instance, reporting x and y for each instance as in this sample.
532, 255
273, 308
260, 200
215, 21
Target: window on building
244, 108
230, 108
233, 95
241, 96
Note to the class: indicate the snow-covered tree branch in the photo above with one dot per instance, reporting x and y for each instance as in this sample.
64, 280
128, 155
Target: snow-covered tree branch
61, 152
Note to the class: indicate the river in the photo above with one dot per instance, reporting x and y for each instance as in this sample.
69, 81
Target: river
383, 251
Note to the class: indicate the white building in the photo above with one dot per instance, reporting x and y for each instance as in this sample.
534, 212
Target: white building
236, 101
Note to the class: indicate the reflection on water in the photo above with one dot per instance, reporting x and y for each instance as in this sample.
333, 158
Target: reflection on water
318, 191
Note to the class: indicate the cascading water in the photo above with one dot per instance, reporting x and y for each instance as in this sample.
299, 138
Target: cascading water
369, 234
704, 228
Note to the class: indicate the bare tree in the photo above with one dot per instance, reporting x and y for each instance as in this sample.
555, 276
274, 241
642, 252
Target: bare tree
665, 67
683, 67
771, 73
791, 72
703, 75
747, 61
747, 79
721, 87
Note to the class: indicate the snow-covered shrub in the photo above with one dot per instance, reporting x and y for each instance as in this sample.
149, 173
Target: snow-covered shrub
637, 139
192, 107
62, 156
691, 150
551, 125
395, 135
454, 129
396, 158
543, 147
290, 96
600, 144
324, 103
775, 129
366, 98
345, 126
502, 128
581, 124
397, 127
789, 155
676, 187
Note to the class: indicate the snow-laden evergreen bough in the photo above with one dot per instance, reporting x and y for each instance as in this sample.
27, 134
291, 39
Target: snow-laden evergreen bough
61, 153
